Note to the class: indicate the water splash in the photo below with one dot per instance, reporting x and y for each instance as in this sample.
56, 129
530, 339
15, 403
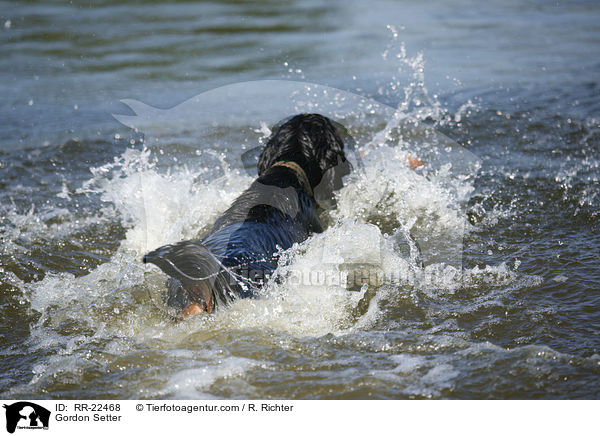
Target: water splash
400, 226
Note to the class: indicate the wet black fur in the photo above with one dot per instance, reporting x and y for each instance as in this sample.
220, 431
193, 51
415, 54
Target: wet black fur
239, 252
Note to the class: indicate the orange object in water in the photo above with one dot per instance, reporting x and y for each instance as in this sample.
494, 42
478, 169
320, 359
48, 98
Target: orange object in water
192, 309
414, 162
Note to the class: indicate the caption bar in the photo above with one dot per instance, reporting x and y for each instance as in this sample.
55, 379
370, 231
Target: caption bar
160, 417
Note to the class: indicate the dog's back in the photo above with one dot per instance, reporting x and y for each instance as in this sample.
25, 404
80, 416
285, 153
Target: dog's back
235, 258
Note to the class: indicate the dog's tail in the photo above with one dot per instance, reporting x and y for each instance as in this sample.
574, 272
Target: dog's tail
196, 274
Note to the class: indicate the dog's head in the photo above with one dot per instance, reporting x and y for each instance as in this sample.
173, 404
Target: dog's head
315, 143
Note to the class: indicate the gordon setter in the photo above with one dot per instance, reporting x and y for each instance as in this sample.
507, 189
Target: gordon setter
303, 162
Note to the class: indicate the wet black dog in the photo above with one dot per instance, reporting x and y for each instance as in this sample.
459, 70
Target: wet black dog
302, 163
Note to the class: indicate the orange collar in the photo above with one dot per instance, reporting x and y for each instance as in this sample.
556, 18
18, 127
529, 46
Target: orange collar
299, 171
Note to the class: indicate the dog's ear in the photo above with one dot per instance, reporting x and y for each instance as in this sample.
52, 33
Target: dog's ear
331, 181
328, 147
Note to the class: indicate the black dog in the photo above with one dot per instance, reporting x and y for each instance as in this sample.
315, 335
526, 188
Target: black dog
303, 162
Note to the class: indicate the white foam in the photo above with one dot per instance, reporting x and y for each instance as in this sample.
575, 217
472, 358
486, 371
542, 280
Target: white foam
161, 208
407, 363
429, 205
192, 383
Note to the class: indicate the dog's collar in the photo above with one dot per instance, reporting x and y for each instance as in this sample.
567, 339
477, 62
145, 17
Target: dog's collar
299, 171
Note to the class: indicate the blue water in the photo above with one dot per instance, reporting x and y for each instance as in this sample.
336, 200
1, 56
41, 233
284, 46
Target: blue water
516, 84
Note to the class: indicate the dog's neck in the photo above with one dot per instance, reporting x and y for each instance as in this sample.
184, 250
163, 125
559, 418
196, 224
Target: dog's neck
299, 171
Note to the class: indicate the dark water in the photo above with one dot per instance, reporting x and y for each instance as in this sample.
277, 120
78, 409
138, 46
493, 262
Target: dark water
506, 303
